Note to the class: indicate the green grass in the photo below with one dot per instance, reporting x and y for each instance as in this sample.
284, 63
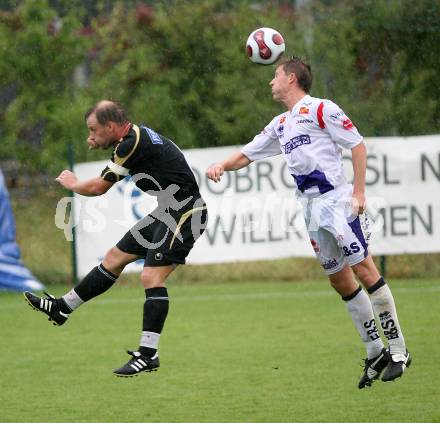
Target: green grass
231, 353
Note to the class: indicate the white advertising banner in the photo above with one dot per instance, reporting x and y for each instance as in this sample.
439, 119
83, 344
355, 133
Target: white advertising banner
253, 213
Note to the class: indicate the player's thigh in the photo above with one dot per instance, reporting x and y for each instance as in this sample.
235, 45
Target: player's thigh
367, 272
343, 281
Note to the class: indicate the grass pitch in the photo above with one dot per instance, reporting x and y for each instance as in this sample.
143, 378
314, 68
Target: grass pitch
232, 353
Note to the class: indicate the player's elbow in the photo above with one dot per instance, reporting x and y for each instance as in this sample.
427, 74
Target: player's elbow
98, 189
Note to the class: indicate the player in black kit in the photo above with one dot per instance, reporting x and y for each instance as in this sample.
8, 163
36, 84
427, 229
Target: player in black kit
163, 238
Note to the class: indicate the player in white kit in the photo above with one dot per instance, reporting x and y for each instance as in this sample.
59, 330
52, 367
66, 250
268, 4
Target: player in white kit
311, 136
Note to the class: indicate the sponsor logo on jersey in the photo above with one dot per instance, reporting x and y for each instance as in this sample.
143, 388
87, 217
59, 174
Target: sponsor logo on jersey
304, 121
337, 115
347, 124
282, 120
330, 264
296, 142
303, 110
154, 136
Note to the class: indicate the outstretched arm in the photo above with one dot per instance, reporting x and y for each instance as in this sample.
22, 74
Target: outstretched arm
91, 187
234, 162
359, 159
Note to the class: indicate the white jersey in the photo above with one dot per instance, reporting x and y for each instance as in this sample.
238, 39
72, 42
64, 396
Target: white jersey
311, 138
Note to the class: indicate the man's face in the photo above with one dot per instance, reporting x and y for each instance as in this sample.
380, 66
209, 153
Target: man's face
280, 84
100, 136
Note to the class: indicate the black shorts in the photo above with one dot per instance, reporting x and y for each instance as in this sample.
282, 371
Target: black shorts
166, 237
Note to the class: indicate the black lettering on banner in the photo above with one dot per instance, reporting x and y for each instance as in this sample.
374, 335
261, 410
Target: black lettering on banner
426, 162
427, 224
290, 223
264, 170
382, 214
416, 220
395, 219
243, 175
385, 173
219, 227
372, 172
272, 238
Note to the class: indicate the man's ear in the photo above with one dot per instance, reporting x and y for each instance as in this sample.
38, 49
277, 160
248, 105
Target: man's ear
111, 126
292, 77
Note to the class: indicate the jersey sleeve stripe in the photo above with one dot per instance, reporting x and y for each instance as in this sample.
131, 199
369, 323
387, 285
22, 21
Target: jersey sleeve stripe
121, 160
119, 170
319, 115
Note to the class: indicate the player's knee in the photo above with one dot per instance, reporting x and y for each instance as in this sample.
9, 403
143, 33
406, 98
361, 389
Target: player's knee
114, 260
154, 277
366, 272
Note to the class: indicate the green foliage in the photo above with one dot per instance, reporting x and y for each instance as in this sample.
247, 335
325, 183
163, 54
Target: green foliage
379, 60
38, 53
181, 68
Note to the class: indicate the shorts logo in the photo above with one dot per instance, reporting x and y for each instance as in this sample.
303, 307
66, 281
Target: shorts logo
296, 142
330, 264
354, 249
158, 256
314, 245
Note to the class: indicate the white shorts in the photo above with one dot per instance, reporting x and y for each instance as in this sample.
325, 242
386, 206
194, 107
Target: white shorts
335, 233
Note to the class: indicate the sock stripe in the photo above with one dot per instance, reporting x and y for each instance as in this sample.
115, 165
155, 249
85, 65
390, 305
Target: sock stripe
379, 284
158, 298
106, 273
352, 295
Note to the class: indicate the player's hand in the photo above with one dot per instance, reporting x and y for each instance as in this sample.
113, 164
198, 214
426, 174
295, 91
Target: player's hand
92, 144
215, 172
67, 179
358, 203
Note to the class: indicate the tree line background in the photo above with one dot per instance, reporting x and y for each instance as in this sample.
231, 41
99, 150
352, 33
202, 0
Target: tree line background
181, 68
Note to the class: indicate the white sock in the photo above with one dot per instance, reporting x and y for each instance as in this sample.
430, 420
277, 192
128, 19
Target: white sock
150, 340
72, 299
359, 306
385, 309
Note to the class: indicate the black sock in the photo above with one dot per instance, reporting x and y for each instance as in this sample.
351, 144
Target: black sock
96, 282
155, 313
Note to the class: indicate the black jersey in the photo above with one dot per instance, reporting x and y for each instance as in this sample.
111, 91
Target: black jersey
154, 161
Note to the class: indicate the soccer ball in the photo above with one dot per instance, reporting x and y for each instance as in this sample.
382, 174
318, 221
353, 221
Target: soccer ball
265, 45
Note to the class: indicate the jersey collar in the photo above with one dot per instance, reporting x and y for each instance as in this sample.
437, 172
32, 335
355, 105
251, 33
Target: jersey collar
306, 98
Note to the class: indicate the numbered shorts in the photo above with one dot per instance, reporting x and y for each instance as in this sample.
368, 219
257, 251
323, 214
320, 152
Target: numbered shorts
337, 236
166, 237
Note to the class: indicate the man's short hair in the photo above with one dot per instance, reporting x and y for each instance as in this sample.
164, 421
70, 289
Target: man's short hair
302, 71
108, 111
